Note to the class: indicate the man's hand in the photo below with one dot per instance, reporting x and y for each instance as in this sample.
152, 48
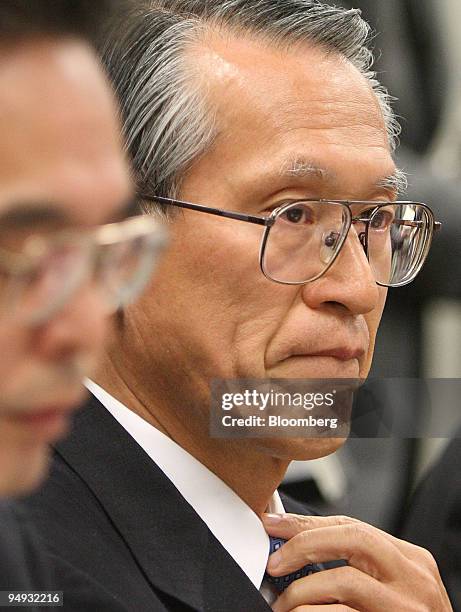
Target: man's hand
384, 574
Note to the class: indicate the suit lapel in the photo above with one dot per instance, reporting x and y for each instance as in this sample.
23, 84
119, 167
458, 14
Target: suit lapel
173, 547
226, 587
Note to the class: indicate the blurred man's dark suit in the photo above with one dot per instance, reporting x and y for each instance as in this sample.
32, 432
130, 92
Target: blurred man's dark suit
27, 565
434, 518
22, 566
110, 510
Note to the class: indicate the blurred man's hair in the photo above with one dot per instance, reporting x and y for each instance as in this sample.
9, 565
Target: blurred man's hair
85, 19
167, 123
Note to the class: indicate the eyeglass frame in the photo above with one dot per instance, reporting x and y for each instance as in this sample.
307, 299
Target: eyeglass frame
103, 235
17, 264
269, 221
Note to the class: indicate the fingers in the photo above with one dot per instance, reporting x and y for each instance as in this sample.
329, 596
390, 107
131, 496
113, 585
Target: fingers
342, 586
359, 545
383, 573
287, 526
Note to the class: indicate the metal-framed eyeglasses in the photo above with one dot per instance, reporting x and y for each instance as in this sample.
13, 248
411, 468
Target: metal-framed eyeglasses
118, 258
303, 238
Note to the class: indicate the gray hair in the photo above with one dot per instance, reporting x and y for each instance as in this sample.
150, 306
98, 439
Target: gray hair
166, 122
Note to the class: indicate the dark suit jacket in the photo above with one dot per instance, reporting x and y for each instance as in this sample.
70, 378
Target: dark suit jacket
26, 564
22, 566
110, 511
434, 518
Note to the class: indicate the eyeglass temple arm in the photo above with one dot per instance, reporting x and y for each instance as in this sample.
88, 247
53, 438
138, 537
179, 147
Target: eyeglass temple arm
407, 222
437, 224
212, 211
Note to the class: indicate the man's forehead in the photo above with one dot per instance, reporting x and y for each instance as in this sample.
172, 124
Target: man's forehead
52, 86
245, 61
294, 117
286, 97
61, 152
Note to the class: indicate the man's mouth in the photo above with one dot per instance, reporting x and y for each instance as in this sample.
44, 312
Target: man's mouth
40, 427
44, 422
342, 353
307, 359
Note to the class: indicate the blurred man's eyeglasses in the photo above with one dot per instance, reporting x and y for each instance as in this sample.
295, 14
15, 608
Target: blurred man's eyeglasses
45, 275
302, 239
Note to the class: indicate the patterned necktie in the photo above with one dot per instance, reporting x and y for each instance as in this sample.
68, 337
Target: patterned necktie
282, 582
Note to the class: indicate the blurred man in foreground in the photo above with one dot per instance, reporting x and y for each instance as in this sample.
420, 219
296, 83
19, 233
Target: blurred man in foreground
258, 128
62, 174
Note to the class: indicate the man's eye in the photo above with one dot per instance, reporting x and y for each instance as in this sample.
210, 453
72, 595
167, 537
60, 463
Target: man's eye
381, 220
299, 215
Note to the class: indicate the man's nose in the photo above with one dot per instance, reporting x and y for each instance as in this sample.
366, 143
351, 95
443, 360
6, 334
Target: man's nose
349, 282
80, 326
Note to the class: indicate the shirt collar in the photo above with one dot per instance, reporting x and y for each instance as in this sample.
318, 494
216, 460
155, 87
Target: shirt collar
228, 517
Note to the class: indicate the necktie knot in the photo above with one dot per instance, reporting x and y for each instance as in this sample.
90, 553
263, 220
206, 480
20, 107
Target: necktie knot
282, 582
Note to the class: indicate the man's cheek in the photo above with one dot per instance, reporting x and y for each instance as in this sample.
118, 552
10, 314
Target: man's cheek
373, 320
252, 339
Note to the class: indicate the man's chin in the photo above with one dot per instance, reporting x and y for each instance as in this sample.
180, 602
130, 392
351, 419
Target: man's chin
22, 472
299, 449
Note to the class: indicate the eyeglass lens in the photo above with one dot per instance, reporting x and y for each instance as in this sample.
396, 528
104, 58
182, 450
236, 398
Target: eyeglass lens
304, 241
398, 240
118, 271
124, 268
307, 237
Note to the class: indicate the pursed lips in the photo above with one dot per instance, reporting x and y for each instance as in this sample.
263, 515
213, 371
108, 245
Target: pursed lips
343, 350
343, 353
344, 341
46, 410
67, 404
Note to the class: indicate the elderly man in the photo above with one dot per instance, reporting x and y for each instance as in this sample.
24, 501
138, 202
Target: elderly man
250, 124
62, 174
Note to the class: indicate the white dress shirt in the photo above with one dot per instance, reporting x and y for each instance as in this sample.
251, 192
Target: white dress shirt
228, 517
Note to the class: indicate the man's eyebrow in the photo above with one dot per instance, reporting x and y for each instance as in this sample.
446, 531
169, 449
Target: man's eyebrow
29, 216
300, 167
23, 216
396, 182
